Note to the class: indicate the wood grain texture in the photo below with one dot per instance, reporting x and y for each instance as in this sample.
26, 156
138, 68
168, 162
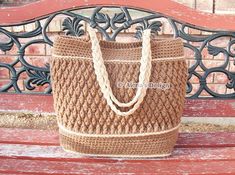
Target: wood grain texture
147, 167
29, 136
26, 102
56, 153
26, 151
44, 104
51, 138
209, 108
169, 8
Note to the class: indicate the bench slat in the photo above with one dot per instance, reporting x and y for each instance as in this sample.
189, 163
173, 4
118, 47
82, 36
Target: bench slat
215, 139
151, 167
15, 15
26, 151
56, 153
43, 137
29, 136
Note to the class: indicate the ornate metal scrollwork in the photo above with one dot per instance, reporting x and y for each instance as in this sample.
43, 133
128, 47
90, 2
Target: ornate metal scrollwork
6, 46
73, 27
205, 42
110, 27
154, 26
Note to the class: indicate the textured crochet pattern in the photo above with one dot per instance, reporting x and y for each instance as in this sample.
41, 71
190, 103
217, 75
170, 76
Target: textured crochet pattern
81, 108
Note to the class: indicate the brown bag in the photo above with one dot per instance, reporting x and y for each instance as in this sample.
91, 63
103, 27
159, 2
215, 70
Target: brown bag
118, 99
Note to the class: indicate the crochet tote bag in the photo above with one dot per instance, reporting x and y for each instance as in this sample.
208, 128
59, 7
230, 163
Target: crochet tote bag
118, 99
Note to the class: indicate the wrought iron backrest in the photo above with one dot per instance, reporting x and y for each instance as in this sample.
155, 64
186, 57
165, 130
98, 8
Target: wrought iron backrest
110, 26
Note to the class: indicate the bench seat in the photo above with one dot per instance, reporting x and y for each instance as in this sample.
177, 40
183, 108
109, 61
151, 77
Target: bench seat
26, 151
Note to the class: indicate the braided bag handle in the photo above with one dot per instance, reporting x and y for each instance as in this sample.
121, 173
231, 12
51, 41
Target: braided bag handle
103, 80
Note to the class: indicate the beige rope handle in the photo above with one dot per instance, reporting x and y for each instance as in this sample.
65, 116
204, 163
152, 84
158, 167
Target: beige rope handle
103, 80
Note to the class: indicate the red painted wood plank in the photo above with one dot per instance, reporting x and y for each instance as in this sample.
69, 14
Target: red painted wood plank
209, 108
29, 136
151, 167
56, 153
43, 159
17, 173
26, 102
44, 103
168, 7
216, 139
42, 137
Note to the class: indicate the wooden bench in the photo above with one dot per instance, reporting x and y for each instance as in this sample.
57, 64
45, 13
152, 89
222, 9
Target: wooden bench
36, 152
25, 151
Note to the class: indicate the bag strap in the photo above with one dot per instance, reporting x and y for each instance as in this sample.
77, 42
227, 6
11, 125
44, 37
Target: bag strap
103, 80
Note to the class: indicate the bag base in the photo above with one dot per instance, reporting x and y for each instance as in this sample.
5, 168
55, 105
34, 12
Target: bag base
159, 144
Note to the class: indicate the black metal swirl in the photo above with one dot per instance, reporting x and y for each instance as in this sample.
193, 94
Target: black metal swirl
110, 27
